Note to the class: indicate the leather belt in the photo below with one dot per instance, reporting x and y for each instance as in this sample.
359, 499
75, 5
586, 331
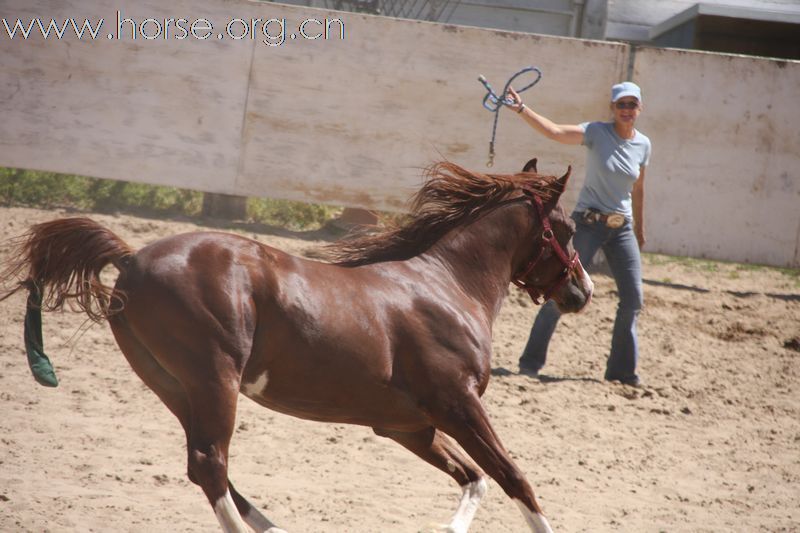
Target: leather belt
611, 220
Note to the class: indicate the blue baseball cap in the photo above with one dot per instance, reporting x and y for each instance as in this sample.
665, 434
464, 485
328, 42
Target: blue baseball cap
626, 88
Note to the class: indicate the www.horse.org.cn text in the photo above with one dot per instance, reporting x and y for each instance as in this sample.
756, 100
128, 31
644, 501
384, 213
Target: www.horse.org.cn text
270, 31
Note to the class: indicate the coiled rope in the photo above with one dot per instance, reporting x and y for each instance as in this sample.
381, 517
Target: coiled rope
494, 103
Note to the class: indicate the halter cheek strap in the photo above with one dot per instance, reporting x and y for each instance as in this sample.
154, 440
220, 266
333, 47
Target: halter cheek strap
548, 240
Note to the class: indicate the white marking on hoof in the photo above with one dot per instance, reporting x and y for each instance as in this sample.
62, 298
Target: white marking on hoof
468, 506
257, 387
537, 522
228, 515
259, 522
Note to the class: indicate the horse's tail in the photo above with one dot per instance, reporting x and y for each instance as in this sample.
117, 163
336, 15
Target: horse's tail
61, 260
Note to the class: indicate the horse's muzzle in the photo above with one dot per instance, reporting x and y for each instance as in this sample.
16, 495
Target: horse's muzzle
574, 295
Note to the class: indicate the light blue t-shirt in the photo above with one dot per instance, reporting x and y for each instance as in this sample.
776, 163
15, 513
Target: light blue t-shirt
612, 166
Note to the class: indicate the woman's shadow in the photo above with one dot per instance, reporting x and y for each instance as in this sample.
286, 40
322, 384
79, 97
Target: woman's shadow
543, 378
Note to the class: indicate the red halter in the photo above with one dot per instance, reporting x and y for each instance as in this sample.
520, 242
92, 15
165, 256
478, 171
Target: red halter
548, 239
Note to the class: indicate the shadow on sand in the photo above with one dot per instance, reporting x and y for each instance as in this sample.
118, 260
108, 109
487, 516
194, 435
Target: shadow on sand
543, 378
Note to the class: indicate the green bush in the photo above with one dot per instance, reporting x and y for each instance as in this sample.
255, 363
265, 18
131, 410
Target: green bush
49, 189
43, 189
292, 215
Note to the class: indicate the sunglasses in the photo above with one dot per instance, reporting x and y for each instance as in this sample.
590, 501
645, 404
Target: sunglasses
626, 105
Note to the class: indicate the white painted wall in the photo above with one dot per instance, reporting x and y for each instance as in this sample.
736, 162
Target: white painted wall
724, 180
347, 121
397, 95
148, 111
352, 121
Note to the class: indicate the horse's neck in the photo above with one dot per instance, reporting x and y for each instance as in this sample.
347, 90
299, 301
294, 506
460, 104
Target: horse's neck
483, 256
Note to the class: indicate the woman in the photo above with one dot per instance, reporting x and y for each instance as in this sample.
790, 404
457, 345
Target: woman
609, 215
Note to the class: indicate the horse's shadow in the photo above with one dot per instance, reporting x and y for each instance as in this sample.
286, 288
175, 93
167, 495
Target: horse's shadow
543, 378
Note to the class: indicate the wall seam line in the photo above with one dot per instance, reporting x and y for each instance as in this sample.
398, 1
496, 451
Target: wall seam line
240, 163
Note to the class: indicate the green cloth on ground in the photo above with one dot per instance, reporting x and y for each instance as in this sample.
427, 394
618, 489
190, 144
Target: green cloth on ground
40, 364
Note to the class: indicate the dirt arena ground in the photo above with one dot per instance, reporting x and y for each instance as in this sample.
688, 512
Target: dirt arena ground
711, 443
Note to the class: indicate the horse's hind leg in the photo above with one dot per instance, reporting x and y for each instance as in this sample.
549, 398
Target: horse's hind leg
166, 387
172, 394
470, 426
437, 449
213, 412
213, 396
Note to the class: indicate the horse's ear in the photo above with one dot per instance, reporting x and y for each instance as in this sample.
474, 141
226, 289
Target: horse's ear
562, 181
530, 166
559, 186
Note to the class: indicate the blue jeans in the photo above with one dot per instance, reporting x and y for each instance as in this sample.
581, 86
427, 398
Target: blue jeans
622, 253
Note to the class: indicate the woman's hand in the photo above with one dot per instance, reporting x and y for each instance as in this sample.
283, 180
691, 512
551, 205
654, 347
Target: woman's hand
637, 197
515, 98
640, 238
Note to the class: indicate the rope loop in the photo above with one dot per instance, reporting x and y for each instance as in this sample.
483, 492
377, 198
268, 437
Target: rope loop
494, 103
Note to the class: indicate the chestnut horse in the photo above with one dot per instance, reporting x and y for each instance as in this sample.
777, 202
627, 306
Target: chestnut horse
394, 334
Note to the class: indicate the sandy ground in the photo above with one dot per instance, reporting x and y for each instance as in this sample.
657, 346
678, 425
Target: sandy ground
711, 443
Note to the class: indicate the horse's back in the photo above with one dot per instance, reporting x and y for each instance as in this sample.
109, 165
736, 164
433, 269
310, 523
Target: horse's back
191, 294
206, 252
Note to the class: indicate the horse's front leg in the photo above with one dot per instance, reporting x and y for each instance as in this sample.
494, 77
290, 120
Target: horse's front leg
467, 422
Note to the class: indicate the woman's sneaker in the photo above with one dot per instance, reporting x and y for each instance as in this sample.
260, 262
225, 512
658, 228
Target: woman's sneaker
632, 381
527, 369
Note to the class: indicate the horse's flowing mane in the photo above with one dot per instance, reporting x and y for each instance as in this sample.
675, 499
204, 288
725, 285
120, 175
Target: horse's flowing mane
451, 197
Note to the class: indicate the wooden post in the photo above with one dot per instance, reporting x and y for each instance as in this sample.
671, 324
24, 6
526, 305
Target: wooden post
224, 206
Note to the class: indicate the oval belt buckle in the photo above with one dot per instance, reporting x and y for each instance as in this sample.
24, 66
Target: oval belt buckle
615, 220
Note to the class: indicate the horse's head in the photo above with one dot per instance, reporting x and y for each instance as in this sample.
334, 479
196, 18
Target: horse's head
554, 270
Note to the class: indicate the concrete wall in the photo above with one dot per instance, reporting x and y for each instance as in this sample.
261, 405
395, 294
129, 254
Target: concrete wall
724, 180
352, 121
